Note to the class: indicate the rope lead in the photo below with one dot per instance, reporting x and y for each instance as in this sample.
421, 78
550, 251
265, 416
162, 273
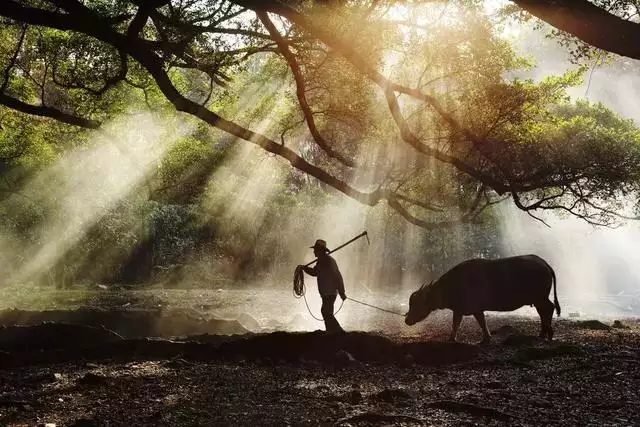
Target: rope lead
299, 291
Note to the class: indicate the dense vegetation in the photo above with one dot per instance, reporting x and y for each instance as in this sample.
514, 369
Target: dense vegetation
285, 111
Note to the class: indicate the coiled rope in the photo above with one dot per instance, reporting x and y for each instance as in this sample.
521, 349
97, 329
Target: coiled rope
299, 291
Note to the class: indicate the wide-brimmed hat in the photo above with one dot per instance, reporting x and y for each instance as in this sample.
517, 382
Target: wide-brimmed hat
321, 244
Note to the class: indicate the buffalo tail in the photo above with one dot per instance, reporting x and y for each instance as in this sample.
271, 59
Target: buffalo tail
555, 293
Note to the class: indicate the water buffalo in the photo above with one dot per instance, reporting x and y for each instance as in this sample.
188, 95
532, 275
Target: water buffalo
478, 285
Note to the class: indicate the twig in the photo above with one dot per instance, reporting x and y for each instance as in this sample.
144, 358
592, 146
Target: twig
470, 408
8, 402
376, 417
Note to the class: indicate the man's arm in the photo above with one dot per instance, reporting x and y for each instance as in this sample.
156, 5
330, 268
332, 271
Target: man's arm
311, 271
339, 280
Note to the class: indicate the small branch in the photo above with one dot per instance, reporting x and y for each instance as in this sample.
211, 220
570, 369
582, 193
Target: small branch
7, 70
470, 408
520, 205
378, 418
397, 206
415, 202
206, 100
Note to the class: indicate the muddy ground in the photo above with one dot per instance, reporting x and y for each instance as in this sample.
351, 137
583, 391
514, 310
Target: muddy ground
110, 357
589, 375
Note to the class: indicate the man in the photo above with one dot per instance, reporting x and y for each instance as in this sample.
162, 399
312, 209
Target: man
330, 284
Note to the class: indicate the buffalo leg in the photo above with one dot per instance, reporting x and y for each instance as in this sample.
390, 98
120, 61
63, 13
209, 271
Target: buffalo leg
545, 310
486, 335
457, 320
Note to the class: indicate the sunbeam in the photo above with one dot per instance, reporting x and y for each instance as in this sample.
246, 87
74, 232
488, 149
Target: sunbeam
88, 181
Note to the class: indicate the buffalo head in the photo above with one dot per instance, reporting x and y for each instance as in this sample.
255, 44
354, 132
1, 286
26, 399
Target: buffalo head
421, 303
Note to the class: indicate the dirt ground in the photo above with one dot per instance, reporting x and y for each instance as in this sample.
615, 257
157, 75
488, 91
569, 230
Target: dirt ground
589, 375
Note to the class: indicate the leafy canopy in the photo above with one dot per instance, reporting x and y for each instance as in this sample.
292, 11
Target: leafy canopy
405, 102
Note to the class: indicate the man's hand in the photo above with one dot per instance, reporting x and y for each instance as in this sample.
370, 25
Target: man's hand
343, 296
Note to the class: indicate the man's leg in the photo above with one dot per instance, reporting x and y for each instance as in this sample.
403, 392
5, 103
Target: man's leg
330, 322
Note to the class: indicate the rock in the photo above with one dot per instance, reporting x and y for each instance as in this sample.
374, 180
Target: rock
540, 353
541, 403
608, 377
528, 379
619, 325
354, 397
42, 378
494, 385
91, 378
298, 322
520, 340
593, 325
408, 360
83, 422
505, 330
177, 363
248, 322
343, 357
392, 395
610, 406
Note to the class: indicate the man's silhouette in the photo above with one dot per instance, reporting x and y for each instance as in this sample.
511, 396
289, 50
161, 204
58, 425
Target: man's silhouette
330, 284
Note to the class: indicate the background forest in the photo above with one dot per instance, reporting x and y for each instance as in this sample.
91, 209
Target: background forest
103, 181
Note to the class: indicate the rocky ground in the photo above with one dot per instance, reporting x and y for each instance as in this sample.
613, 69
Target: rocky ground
589, 375
110, 357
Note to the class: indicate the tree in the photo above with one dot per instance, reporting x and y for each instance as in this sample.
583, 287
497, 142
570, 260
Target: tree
604, 24
454, 136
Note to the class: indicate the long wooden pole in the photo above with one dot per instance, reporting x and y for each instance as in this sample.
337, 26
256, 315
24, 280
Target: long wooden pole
363, 234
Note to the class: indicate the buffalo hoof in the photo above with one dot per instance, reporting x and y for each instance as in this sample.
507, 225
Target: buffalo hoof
485, 341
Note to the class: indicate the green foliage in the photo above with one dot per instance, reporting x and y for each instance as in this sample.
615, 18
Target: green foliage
527, 135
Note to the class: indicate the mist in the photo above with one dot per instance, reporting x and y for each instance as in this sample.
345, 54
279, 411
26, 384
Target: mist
84, 184
596, 266
256, 246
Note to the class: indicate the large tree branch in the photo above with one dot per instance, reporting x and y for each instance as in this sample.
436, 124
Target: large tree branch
354, 57
82, 20
43, 111
139, 20
589, 23
398, 207
154, 65
283, 47
415, 142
